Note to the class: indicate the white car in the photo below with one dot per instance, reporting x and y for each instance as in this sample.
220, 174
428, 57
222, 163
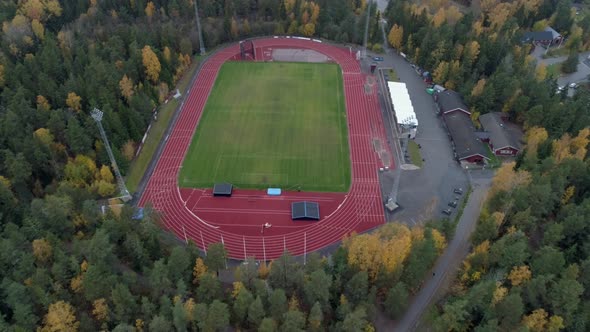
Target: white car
573, 85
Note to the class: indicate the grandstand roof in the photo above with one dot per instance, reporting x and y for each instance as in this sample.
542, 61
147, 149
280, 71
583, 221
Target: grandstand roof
305, 211
402, 104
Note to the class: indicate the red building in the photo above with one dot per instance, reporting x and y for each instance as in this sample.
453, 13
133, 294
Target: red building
504, 138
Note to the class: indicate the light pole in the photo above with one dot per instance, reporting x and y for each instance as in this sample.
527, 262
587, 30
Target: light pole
366, 35
97, 115
201, 42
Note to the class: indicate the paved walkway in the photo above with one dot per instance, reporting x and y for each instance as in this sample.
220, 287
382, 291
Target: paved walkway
447, 264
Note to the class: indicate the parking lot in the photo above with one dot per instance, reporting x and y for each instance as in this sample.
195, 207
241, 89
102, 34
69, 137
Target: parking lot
422, 194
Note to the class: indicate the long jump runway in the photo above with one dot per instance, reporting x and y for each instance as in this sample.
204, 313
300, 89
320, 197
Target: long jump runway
237, 221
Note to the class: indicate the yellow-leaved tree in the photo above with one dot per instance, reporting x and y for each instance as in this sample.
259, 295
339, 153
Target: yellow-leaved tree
60, 316
541, 72
439, 18
519, 275
150, 9
386, 249
100, 310
395, 36
42, 103
234, 28
308, 29
151, 63
74, 101
534, 137
44, 136
199, 270
537, 321
478, 88
42, 250
126, 86
128, 150
507, 178
441, 72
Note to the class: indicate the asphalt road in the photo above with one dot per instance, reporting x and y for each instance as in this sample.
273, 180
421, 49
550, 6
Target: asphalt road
449, 262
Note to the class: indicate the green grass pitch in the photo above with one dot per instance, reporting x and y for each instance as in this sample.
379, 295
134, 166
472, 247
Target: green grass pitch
272, 125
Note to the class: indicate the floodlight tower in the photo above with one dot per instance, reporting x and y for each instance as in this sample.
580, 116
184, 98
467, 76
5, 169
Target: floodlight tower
201, 42
97, 116
366, 35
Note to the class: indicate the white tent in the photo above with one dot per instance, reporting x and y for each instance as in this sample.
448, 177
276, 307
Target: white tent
402, 105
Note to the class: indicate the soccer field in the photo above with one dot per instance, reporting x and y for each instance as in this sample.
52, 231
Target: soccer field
272, 125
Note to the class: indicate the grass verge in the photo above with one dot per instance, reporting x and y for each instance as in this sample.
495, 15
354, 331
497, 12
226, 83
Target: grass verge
165, 111
272, 125
494, 162
392, 75
414, 151
554, 70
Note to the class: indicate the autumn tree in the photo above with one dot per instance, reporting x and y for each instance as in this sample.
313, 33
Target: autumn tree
128, 150
199, 270
150, 9
478, 88
441, 72
151, 63
519, 275
534, 137
395, 36
234, 28
42, 102
100, 309
541, 72
74, 101
507, 178
42, 250
60, 316
126, 87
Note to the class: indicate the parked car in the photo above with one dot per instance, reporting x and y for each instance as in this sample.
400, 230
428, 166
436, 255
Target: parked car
447, 211
453, 204
378, 58
574, 85
458, 191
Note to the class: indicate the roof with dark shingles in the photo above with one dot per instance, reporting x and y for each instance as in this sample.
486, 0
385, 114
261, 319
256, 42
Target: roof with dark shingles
537, 36
462, 132
305, 210
449, 100
500, 137
222, 189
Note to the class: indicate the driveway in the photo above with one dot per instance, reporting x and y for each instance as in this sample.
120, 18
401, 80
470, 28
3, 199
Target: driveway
565, 79
421, 194
448, 263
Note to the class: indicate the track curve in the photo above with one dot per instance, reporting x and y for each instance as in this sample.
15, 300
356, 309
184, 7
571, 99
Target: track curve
361, 209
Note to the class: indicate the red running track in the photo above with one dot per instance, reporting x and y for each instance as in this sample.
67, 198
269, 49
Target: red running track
237, 221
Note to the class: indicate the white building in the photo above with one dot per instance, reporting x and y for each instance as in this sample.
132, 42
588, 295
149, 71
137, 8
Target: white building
403, 108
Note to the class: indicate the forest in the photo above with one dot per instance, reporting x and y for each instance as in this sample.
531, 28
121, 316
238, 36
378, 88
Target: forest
66, 266
529, 265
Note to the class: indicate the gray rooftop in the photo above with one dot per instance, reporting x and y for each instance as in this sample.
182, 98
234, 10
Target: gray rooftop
532, 36
502, 134
449, 100
305, 211
462, 132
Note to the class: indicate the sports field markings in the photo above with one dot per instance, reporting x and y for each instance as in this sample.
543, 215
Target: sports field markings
275, 120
